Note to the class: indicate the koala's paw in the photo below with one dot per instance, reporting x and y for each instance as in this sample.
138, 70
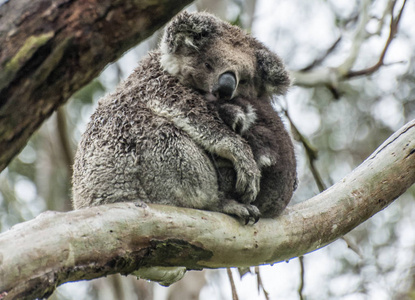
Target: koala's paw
237, 118
246, 212
248, 182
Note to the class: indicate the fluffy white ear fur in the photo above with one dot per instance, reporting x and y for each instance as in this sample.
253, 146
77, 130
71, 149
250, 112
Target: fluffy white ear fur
170, 62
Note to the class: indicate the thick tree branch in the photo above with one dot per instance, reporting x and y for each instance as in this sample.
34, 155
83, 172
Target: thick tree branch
51, 48
54, 248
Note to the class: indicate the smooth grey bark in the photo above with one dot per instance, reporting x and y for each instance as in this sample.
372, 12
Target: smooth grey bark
38, 255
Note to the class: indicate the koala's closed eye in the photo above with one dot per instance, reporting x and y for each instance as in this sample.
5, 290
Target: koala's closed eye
208, 66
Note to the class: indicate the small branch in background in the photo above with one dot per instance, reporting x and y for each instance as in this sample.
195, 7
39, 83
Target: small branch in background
353, 246
389, 7
301, 287
330, 77
64, 139
66, 148
359, 37
393, 30
234, 294
320, 59
260, 284
311, 153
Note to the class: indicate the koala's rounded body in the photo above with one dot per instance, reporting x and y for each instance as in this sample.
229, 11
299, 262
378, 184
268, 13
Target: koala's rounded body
156, 137
148, 141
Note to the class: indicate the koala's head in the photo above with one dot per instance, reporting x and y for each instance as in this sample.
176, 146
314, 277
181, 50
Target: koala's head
215, 57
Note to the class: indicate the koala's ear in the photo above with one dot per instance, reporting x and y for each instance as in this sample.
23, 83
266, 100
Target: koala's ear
272, 72
191, 30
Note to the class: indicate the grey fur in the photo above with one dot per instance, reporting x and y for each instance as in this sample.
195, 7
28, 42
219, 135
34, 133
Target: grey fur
155, 137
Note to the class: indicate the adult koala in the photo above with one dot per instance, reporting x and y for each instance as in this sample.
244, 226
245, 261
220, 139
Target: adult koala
156, 138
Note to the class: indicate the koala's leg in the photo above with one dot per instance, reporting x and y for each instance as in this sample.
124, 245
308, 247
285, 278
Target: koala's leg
173, 170
276, 191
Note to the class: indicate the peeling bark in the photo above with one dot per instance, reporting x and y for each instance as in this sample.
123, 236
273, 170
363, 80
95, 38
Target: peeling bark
38, 255
51, 48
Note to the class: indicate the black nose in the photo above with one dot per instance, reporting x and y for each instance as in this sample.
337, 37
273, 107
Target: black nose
226, 85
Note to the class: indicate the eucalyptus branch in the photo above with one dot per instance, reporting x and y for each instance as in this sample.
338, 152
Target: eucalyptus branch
38, 255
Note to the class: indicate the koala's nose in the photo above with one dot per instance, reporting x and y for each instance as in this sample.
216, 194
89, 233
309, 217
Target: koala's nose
226, 85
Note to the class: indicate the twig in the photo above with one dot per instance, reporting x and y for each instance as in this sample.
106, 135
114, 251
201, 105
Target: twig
358, 39
260, 284
312, 157
393, 30
66, 149
301, 287
311, 153
388, 8
234, 294
353, 246
63, 138
320, 59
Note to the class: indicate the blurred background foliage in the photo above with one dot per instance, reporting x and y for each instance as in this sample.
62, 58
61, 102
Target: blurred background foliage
345, 122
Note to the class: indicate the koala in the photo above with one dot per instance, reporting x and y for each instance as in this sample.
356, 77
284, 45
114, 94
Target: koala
260, 125
157, 139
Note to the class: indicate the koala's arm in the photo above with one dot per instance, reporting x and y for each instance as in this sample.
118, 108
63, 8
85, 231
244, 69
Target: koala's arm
217, 138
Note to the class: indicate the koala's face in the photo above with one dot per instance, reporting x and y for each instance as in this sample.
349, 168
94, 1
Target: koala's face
217, 58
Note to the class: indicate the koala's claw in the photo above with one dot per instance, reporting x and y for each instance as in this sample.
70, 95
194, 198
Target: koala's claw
254, 214
246, 212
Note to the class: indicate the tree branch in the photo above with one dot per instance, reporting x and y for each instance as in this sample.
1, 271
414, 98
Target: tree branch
38, 255
51, 48
331, 77
394, 22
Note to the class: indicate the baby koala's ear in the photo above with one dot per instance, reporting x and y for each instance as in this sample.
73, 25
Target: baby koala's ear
272, 72
189, 30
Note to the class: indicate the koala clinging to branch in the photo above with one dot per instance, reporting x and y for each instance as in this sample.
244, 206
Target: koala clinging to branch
156, 138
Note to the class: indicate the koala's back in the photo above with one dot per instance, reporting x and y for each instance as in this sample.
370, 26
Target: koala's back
274, 152
131, 151
256, 120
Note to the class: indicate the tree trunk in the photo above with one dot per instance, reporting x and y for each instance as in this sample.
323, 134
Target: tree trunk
54, 248
51, 48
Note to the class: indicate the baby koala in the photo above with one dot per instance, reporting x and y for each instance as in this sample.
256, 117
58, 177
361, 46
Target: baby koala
260, 125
